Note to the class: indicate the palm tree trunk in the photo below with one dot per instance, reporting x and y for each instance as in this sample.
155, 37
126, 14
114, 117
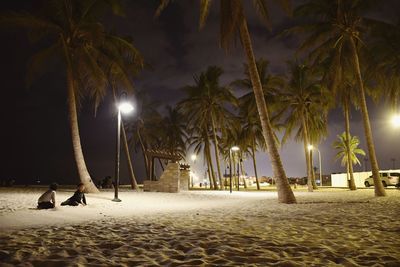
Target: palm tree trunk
352, 184
242, 171
217, 153
207, 152
253, 154
307, 154
379, 189
146, 160
84, 175
128, 158
314, 185
213, 182
285, 193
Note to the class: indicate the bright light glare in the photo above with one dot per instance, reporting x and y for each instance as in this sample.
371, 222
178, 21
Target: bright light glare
125, 107
235, 148
310, 147
193, 157
396, 121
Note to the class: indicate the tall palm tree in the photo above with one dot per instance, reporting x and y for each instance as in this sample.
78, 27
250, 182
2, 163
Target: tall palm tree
233, 21
75, 35
304, 103
337, 26
343, 146
206, 107
251, 125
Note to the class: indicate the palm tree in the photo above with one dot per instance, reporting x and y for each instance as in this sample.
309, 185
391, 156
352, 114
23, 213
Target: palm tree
304, 103
251, 125
143, 129
344, 146
173, 135
336, 27
205, 107
233, 21
125, 63
76, 36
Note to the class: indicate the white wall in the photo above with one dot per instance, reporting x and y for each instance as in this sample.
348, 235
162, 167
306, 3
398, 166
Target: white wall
340, 179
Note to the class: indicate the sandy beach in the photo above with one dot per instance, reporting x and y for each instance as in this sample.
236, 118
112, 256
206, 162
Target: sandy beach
326, 228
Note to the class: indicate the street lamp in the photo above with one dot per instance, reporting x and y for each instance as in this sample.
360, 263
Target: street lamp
123, 107
311, 147
234, 148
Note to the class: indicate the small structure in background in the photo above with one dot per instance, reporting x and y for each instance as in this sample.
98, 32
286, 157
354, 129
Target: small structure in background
174, 178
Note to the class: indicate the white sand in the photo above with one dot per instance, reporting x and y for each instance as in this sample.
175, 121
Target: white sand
327, 228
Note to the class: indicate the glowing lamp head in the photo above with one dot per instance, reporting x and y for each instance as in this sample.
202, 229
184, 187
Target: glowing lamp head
125, 107
193, 157
310, 147
396, 121
235, 148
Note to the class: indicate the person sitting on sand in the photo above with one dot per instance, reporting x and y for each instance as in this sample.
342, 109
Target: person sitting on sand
77, 198
48, 199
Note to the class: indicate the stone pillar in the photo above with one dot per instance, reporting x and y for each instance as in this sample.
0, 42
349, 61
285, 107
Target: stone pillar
184, 180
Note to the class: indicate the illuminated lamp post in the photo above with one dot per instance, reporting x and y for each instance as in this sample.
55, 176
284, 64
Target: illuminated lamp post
123, 107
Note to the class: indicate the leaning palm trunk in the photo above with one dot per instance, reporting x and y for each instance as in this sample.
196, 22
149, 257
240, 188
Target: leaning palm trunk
352, 184
217, 153
379, 190
253, 154
84, 175
307, 154
128, 158
144, 151
285, 193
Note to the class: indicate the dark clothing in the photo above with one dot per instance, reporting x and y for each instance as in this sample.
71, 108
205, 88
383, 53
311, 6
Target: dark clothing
45, 205
75, 200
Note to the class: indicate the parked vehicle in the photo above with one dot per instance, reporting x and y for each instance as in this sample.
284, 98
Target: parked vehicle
388, 179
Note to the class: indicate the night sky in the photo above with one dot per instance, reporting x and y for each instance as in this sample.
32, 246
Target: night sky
35, 136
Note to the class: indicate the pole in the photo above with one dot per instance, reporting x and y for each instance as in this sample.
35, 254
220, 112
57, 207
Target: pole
320, 168
118, 148
230, 171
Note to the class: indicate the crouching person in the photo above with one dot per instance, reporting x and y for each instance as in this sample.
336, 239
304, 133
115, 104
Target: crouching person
77, 198
48, 199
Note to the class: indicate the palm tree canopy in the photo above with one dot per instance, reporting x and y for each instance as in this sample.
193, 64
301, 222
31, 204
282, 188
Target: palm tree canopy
77, 38
304, 97
341, 146
231, 14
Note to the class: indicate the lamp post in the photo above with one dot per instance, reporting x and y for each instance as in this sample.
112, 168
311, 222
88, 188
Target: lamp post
234, 148
123, 107
311, 147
